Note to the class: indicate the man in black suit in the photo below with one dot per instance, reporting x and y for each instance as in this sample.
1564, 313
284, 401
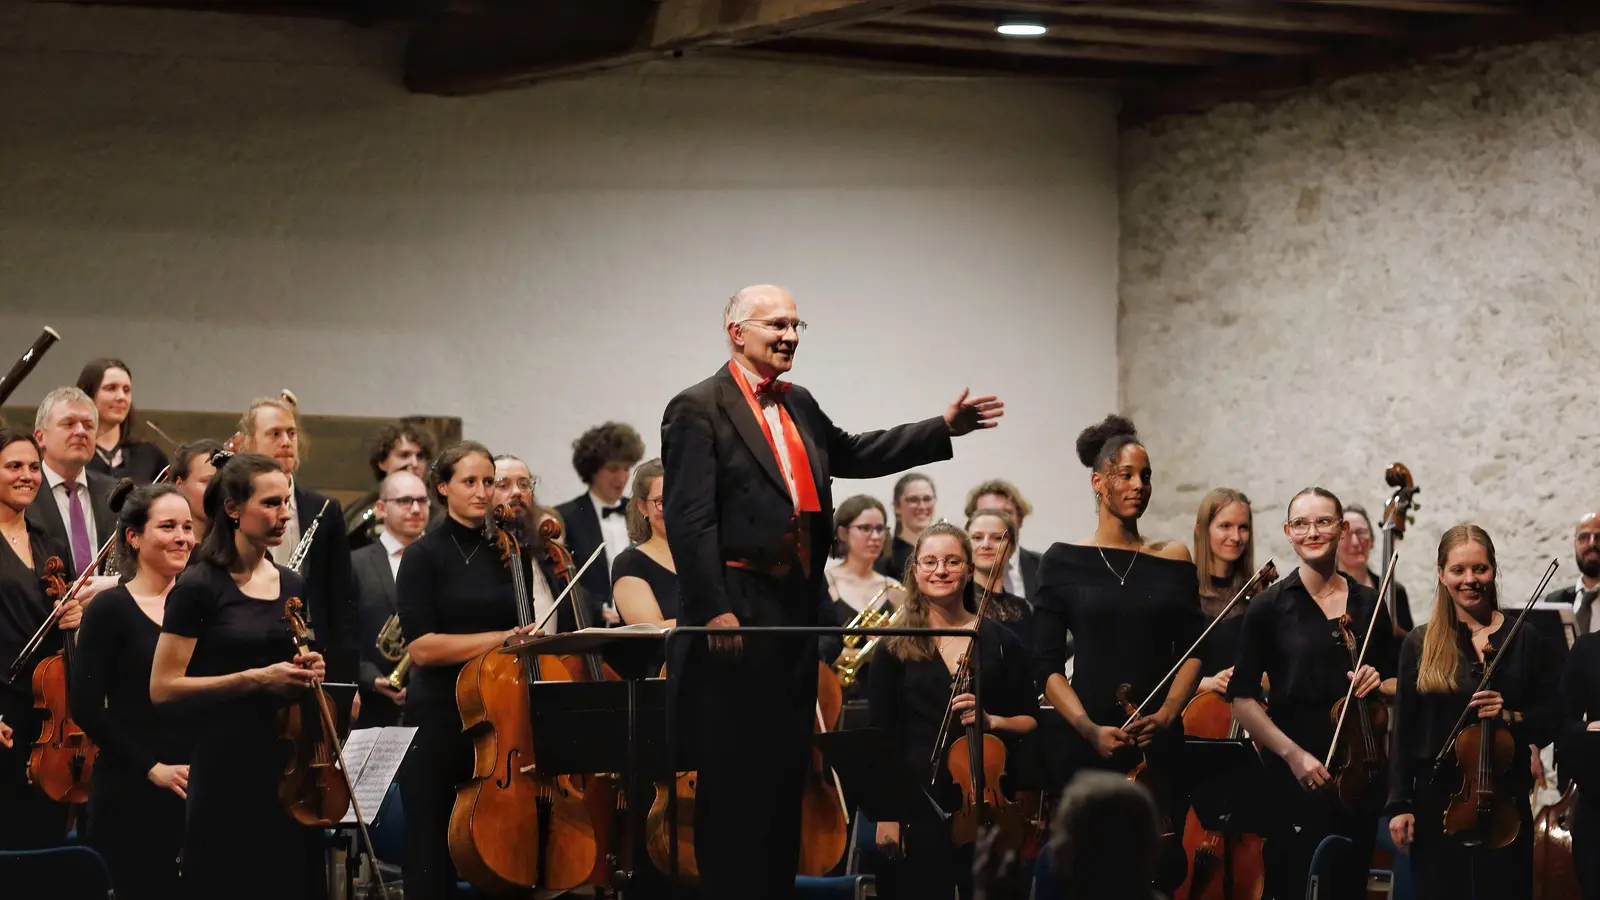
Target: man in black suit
749, 465
402, 510
603, 457
74, 503
1579, 597
271, 426
1022, 573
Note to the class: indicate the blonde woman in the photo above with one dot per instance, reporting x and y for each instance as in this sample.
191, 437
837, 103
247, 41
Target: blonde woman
1224, 555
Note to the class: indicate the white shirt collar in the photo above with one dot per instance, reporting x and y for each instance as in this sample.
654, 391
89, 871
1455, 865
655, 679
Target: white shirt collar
600, 505
391, 544
56, 479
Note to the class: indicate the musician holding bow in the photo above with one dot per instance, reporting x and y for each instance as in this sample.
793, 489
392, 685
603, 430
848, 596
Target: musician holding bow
749, 462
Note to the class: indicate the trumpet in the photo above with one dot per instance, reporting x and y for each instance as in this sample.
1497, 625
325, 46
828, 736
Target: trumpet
873, 615
392, 646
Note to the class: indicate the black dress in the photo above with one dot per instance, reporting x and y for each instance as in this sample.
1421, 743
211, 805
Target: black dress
1221, 646
663, 583
1128, 634
141, 461
1016, 614
1578, 755
28, 819
1286, 636
908, 699
451, 581
135, 825
894, 565
1527, 677
239, 841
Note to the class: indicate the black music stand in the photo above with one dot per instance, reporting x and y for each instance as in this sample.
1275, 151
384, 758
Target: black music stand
875, 777
1231, 796
581, 727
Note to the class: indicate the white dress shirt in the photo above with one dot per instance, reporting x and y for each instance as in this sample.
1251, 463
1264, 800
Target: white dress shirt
58, 489
544, 600
613, 530
393, 548
291, 532
1014, 585
774, 417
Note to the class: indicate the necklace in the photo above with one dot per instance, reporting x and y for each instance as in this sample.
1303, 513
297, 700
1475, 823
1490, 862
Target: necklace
1122, 580
465, 556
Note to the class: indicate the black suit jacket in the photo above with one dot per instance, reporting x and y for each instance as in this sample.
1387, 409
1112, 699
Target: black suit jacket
330, 587
582, 529
1028, 560
44, 513
726, 497
375, 597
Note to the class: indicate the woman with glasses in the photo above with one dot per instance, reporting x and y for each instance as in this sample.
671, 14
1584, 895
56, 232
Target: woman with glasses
859, 533
914, 502
644, 579
1293, 633
1355, 552
1131, 606
909, 689
1438, 678
994, 541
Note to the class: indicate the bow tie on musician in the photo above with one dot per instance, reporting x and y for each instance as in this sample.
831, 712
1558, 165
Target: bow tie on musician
603, 458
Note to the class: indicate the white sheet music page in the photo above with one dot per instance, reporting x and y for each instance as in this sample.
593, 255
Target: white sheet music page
374, 756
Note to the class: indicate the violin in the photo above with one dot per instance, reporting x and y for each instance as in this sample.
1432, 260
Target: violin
313, 788
824, 819
1358, 759
62, 759
606, 802
1397, 514
1481, 813
511, 828
1153, 780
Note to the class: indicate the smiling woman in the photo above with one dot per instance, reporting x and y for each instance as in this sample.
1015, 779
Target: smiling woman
118, 451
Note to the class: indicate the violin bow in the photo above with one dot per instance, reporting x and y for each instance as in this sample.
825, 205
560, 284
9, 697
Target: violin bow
49, 622
985, 592
571, 584
1494, 662
1350, 692
1260, 573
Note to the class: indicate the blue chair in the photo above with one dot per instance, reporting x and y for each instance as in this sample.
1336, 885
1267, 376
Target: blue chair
831, 887
1323, 861
68, 873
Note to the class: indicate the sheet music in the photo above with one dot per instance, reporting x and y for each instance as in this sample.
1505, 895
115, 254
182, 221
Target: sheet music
374, 756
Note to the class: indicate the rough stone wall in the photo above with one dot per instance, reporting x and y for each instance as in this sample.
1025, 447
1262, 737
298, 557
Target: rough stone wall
1396, 267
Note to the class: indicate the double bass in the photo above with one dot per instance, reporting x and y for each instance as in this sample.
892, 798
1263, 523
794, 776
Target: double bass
511, 828
1397, 514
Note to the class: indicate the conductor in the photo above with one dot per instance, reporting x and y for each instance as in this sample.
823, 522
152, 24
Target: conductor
749, 460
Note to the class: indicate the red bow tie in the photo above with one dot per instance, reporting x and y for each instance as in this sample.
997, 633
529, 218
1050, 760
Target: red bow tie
772, 387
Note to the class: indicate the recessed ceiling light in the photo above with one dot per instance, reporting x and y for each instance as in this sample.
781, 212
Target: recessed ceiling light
1020, 29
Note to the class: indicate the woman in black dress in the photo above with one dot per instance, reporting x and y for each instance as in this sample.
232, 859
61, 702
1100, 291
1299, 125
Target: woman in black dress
118, 452
226, 654
908, 689
1132, 609
1436, 682
994, 541
644, 581
456, 602
1224, 557
1292, 634
28, 819
141, 777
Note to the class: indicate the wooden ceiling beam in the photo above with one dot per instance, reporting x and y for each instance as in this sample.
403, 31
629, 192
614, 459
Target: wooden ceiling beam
1105, 34
1432, 7
877, 33
691, 23
1249, 17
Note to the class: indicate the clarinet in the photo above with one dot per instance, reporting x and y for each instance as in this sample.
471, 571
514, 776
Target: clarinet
297, 559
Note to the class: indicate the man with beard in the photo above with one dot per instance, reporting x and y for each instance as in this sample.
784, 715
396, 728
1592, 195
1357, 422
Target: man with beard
1580, 597
513, 488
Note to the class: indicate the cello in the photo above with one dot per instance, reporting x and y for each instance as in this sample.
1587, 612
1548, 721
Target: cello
824, 818
1555, 878
62, 759
1209, 715
511, 828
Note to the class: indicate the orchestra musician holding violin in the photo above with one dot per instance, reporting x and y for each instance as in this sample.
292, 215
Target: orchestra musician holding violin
994, 541
141, 776
455, 599
1441, 662
749, 463
909, 689
1304, 633
28, 819
1131, 606
226, 655
1224, 552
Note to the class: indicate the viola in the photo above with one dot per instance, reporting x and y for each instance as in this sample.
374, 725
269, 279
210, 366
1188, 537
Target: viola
62, 759
1481, 812
1358, 760
824, 821
313, 787
512, 829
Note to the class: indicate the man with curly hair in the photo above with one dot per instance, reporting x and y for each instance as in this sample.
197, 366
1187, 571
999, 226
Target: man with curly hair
603, 457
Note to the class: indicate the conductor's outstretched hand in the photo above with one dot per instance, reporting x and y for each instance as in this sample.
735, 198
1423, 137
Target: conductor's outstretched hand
968, 414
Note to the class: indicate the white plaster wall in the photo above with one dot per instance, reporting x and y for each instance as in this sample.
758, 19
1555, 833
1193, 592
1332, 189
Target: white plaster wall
236, 205
1398, 267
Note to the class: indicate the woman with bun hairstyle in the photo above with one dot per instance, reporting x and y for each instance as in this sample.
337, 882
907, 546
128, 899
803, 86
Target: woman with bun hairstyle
141, 777
1132, 605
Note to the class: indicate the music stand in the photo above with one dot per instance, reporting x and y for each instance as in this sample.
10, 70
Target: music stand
582, 727
1233, 796
874, 776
